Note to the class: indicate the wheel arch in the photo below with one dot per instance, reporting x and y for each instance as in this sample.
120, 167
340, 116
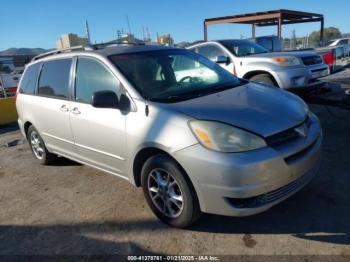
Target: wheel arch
144, 154
250, 74
26, 126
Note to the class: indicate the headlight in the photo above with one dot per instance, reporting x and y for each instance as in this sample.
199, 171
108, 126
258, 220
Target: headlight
285, 60
225, 138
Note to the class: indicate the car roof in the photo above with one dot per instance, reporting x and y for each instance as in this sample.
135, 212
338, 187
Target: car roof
220, 41
105, 51
128, 49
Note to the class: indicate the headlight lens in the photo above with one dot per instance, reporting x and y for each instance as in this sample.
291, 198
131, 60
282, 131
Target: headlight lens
286, 60
225, 138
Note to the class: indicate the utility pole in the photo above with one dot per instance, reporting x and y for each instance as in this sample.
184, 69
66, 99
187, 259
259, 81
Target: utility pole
87, 32
129, 28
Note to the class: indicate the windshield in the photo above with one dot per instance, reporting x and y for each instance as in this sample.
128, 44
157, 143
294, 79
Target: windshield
173, 75
243, 47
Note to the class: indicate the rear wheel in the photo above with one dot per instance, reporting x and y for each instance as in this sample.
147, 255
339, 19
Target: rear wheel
168, 193
264, 79
38, 147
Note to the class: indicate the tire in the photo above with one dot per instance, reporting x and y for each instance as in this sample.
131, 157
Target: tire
38, 148
264, 79
162, 174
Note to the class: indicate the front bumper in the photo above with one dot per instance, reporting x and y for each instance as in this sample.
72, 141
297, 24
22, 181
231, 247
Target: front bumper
300, 77
227, 182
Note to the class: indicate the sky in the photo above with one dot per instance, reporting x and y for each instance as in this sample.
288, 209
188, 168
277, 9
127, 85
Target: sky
39, 23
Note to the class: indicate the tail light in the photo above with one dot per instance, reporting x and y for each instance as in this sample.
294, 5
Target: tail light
329, 59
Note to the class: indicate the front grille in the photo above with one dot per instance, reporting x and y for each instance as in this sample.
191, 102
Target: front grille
286, 136
312, 60
272, 196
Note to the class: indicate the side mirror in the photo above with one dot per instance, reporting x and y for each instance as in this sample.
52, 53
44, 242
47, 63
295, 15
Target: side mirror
221, 59
105, 99
109, 99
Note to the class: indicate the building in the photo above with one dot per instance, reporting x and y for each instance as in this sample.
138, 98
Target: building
70, 40
165, 40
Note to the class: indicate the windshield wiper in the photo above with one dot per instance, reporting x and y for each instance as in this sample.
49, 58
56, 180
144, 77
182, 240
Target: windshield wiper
197, 93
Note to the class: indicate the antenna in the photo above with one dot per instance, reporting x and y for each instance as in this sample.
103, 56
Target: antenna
127, 20
87, 31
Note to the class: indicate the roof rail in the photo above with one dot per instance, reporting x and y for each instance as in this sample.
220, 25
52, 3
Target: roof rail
66, 50
116, 42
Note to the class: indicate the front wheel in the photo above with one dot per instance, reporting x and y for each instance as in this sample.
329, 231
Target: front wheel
38, 147
264, 79
168, 192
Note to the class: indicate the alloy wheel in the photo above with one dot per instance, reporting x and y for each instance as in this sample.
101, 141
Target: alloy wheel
165, 192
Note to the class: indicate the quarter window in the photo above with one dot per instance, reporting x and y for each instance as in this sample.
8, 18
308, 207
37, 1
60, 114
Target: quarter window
54, 78
92, 76
28, 83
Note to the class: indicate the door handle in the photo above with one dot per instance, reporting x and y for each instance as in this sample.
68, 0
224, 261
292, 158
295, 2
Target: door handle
75, 111
64, 108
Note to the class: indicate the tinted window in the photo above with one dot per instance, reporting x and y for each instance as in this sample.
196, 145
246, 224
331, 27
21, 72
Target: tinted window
28, 83
277, 46
210, 51
343, 42
265, 42
54, 78
243, 47
92, 76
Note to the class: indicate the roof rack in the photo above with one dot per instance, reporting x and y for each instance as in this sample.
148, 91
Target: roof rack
116, 42
66, 50
85, 48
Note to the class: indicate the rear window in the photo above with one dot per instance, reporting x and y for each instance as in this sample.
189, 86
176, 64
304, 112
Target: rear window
54, 78
28, 83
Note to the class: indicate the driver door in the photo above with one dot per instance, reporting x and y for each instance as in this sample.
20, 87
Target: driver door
99, 133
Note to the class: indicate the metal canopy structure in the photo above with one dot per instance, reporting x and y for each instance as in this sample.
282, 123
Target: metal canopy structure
267, 18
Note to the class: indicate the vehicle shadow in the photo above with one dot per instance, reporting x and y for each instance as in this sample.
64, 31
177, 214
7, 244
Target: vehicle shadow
71, 239
8, 128
62, 161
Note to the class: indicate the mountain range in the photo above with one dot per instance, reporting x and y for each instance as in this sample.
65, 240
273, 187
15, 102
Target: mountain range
22, 51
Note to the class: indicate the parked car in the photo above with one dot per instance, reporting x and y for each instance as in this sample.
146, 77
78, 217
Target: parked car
336, 57
196, 138
248, 60
8, 113
339, 41
8, 80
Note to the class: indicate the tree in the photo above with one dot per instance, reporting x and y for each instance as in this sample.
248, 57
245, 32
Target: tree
329, 33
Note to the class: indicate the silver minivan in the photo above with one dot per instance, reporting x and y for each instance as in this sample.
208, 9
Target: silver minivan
195, 137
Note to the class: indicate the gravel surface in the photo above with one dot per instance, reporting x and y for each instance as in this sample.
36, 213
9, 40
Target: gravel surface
74, 209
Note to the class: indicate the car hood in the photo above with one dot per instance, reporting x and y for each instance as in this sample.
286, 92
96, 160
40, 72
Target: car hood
254, 107
292, 53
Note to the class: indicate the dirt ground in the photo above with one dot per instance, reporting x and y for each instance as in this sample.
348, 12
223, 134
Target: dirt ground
74, 209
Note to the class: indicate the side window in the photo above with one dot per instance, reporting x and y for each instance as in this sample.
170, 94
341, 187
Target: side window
28, 83
210, 51
54, 78
265, 42
92, 76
